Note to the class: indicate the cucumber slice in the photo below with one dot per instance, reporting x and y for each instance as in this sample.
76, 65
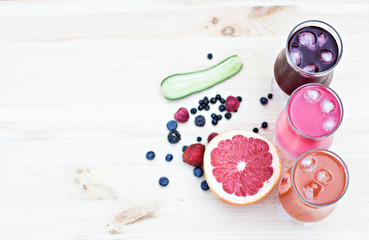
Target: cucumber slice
181, 85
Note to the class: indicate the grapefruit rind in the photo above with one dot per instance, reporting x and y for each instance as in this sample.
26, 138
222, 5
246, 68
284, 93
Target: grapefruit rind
217, 187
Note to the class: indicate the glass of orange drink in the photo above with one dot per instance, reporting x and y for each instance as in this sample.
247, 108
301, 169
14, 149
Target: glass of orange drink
309, 191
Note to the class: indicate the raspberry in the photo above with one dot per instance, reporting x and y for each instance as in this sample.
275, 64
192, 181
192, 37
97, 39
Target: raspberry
232, 104
182, 115
211, 136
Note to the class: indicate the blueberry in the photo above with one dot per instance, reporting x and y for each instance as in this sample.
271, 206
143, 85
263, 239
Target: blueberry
214, 121
174, 136
204, 185
200, 121
263, 100
210, 56
199, 139
198, 172
207, 107
201, 102
172, 125
206, 100
150, 155
235, 110
222, 100
228, 115
163, 181
264, 125
200, 107
221, 108
213, 115
239, 99
169, 157
184, 148
219, 117
270, 96
193, 110
255, 130
218, 97
213, 100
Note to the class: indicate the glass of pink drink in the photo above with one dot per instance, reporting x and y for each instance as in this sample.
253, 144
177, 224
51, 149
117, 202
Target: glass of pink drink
309, 191
313, 49
313, 113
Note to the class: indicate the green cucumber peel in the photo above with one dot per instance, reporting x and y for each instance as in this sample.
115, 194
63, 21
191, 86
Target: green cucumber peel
181, 85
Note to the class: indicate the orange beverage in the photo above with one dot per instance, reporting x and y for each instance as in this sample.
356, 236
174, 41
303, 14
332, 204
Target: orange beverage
309, 191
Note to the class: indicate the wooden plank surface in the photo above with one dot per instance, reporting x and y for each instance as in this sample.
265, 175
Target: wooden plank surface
80, 104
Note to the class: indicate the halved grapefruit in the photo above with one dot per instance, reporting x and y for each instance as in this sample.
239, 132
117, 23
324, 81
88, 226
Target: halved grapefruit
241, 167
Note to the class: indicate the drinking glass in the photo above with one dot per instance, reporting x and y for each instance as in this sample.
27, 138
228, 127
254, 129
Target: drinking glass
309, 191
312, 114
288, 76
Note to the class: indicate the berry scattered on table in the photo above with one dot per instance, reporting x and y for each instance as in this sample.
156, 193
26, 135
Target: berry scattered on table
204, 185
264, 124
263, 100
270, 95
222, 100
228, 115
214, 121
222, 108
182, 115
232, 104
169, 157
194, 154
174, 136
207, 107
239, 98
184, 148
200, 121
199, 139
150, 155
193, 110
255, 130
200, 107
218, 96
219, 117
210, 56
172, 125
163, 181
211, 136
213, 100
198, 172
213, 115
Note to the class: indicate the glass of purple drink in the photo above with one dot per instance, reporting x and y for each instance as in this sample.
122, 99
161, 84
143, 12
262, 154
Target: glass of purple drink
313, 49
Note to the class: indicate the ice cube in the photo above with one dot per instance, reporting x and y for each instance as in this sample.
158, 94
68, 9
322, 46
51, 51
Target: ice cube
312, 95
296, 56
307, 39
311, 68
308, 164
323, 176
311, 190
329, 124
327, 106
321, 40
326, 56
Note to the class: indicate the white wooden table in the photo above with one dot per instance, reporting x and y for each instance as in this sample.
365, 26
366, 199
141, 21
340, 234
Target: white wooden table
81, 104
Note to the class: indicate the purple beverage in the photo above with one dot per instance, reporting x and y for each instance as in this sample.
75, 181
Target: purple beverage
312, 51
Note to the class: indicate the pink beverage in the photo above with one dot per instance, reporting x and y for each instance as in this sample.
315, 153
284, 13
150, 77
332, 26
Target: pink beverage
309, 190
313, 113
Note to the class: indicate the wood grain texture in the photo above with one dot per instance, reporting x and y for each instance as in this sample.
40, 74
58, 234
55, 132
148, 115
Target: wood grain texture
80, 104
